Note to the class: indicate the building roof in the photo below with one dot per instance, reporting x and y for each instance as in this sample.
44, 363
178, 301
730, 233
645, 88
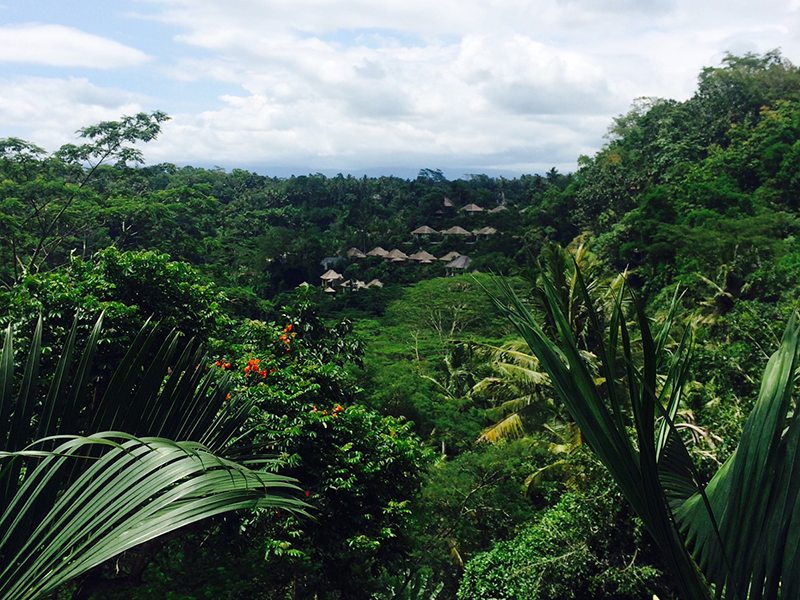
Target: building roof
397, 255
329, 290
472, 208
456, 230
359, 285
498, 209
462, 262
375, 283
331, 275
355, 253
423, 257
485, 231
424, 230
447, 202
450, 256
378, 251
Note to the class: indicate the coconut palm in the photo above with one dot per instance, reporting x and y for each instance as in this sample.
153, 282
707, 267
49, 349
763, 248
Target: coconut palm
517, 388
736, 536
89, 469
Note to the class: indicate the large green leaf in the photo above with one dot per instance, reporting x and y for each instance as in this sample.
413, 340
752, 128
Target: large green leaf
88, 469
742, 530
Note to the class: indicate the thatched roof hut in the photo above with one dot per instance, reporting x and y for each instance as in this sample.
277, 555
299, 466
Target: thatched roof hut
423, 257
397, 256
456, 230
498, 209
452, 255
472, 208
355, 253
331, 276
485, 231
329, 290
424, 230
459, 264
375, 283
378, 251
447, 203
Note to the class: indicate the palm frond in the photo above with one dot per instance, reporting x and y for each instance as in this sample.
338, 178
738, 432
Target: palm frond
88, 469
507, 428
598, 405
132, 491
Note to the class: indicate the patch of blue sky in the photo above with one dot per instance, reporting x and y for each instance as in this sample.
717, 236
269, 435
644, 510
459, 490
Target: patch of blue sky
147, 85
112, 21
370, 37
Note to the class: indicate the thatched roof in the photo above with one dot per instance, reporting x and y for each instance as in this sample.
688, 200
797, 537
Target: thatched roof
456, 230
378, 251
331, 275
452, 255
329, 290
498, 209
462, 262
447, 202
424, 230
485, 231
359, 285
375, 283
472, 208
355, 253
397, 256
423, 257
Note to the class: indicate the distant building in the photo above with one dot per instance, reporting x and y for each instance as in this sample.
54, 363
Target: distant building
423, 257
330, 261
456, 230
498, 209
375, 283
378, 251
355, 253
459, 264
485, 231
397, 256
450, 256
472, 209
424, 232
331, 278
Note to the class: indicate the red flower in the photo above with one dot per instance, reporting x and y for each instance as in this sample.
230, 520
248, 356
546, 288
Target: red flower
308, 493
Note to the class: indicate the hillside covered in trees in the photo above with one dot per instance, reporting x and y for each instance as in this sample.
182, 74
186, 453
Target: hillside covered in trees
413, 439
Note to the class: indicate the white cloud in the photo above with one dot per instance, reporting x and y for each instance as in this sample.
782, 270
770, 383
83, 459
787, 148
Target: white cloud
60, 46
51, 110
352, 85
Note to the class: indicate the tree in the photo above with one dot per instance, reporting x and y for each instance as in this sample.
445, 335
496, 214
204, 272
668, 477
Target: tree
46, 198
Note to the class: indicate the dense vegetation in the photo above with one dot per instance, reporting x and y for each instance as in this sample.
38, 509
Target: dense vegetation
431, 448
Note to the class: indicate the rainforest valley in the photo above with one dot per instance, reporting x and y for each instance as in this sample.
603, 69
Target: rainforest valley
220, 384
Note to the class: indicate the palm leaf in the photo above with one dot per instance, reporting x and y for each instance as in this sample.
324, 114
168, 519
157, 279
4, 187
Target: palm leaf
74, 496
134, 491
742, 530
597, 406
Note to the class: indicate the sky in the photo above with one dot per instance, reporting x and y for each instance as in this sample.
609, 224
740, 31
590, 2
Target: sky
501, 87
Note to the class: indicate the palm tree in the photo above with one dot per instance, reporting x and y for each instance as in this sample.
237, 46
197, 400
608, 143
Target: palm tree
736, 537
88, 473
518, 389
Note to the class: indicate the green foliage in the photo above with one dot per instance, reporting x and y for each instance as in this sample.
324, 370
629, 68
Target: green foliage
78, 491
586, 545
130, 287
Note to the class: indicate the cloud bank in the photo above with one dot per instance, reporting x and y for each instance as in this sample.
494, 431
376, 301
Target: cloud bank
501, 86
